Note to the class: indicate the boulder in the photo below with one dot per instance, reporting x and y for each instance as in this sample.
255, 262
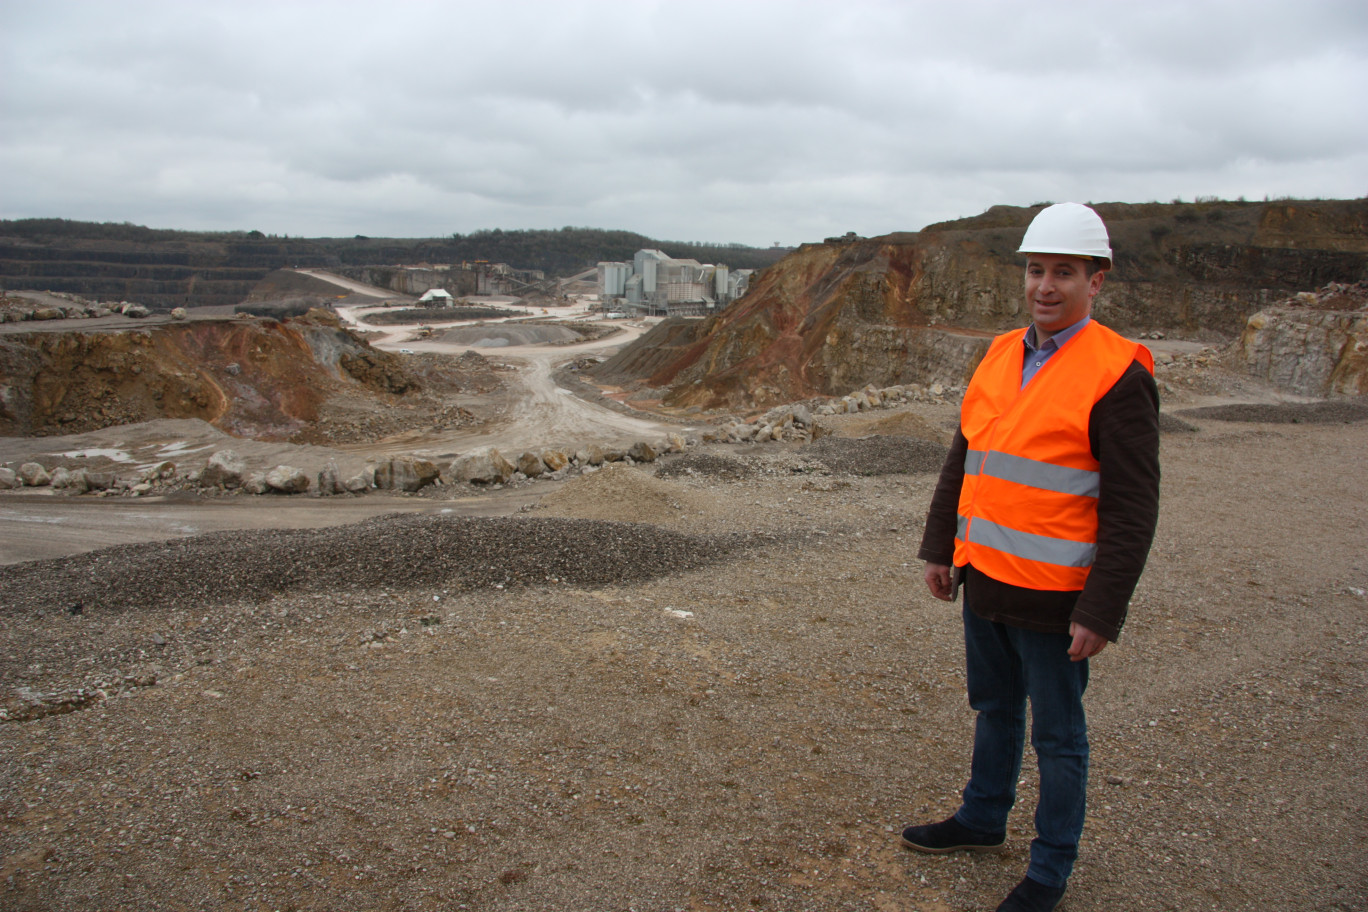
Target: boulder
287, 480
642, 451
101, 481
531, 465
224, 469
787, 416
160, 472
590, 455
256, 484
486, 466
329, 480
73, 480
134, 310
405, 473
9, 479
361, 482
554, 459
34, 475
178, 313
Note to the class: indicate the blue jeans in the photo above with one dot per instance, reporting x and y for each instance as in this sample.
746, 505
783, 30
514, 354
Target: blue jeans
1006, 667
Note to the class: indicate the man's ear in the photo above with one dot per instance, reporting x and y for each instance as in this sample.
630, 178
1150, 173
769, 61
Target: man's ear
1095, 283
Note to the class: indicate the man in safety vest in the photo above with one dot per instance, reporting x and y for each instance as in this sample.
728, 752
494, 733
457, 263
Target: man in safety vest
1044, 514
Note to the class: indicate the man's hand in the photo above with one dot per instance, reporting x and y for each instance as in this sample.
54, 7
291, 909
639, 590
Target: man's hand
1086, 644
937, 578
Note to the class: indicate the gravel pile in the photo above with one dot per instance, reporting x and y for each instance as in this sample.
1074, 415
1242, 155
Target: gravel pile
397, 551
1335, 411
1172, 424
878, 455
709, 464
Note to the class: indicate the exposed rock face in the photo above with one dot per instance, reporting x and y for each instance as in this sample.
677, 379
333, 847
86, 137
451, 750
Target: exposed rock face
1314, 344
377, 370
253, 377
921, 308
413, 281
162, 269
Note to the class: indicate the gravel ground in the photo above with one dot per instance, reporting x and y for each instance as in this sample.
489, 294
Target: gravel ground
1335, 411
733, 701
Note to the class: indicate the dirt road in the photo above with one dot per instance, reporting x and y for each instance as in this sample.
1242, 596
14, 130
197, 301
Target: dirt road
537, 413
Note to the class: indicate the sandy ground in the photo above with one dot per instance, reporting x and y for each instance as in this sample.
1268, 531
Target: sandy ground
748, 735
571, 713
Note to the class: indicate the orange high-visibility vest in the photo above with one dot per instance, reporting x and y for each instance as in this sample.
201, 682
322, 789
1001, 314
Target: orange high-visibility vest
1028, 507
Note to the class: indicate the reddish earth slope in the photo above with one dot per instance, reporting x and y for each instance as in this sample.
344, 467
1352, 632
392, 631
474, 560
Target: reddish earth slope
919, 307
251, 377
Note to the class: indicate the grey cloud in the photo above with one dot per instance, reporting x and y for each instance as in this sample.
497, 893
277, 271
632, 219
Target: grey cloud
754, 121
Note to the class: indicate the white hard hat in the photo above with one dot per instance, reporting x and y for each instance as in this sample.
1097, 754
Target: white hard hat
1071, 229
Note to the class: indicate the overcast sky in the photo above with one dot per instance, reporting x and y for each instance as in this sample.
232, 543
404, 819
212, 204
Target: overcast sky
751, 121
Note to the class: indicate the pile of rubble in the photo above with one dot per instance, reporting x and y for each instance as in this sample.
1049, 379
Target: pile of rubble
16, 309
394, 551
797, 421
226, 471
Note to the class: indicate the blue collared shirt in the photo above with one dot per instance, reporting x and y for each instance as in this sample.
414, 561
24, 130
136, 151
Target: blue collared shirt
1036, 356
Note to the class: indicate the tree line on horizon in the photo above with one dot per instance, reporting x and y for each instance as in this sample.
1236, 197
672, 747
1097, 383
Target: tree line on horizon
556, 252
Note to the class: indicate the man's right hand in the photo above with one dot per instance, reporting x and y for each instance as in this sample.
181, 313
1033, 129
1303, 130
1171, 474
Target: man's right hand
937, 578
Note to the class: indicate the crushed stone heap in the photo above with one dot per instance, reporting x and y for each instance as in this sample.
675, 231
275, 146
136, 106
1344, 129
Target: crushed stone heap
395, 551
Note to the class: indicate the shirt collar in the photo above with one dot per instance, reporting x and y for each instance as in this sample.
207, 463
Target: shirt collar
1056, 341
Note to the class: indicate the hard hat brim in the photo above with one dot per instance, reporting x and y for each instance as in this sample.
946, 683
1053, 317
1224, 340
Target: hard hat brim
1065, 251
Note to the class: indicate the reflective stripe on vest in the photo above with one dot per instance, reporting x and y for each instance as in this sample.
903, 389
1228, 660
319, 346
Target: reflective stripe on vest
1032, 472
1057, 551
1028, 505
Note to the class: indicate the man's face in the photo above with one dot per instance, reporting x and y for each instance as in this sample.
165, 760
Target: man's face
1059, 291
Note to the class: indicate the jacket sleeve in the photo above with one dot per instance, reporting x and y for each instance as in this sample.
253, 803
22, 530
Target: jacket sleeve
1124, 432
942, 517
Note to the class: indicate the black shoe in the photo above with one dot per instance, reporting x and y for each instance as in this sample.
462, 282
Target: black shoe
1031, 896
951, 836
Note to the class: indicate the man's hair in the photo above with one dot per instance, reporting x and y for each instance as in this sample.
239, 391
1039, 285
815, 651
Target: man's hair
1090, 266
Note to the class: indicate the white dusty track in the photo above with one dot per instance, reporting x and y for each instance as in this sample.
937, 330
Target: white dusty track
537, 413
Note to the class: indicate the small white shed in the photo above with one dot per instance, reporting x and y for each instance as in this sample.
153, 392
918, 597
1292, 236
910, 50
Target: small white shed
437, 297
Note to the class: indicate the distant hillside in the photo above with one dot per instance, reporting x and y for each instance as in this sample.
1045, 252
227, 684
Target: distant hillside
559, 252
164, 269
919, 307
